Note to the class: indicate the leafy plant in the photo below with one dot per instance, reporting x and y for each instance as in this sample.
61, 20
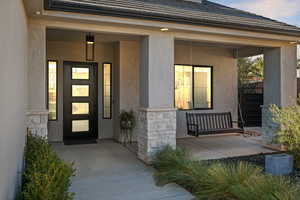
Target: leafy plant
219, 181
46, 176
127, 120
288, 131
127, 124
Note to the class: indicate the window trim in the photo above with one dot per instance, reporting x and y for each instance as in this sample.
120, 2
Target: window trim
212, 86
111, 67
47, 93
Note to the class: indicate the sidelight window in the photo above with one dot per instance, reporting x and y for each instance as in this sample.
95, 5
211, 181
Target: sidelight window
107, 90
52, 89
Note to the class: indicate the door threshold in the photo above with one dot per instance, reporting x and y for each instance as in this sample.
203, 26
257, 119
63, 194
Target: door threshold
80, 142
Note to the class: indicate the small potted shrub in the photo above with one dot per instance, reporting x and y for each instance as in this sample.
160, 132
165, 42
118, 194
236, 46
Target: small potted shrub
127, 125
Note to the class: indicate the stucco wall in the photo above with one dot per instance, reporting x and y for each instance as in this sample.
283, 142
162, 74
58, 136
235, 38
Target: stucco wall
126, 96
75, 51
13, 98
224, 77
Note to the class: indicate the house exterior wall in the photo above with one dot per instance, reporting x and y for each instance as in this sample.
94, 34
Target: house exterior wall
126, 73
75, 51
225, 84
13, 99
198, 34
124, 57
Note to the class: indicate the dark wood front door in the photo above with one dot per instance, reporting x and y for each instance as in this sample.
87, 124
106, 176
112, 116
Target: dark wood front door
80, 101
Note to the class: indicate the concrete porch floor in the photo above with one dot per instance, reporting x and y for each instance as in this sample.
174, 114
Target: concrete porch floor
216, 147
108, 171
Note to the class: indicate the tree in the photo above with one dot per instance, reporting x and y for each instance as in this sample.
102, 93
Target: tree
250, 70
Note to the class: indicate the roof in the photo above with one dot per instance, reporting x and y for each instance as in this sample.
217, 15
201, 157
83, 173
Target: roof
180, 11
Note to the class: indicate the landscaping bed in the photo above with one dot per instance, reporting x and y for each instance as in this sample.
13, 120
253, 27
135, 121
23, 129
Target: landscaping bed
241, 178
258, 160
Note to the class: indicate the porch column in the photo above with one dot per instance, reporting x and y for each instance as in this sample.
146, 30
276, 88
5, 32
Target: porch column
280, 83
157, 116
37, 110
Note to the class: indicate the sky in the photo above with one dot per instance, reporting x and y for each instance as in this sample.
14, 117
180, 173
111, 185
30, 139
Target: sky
283, 10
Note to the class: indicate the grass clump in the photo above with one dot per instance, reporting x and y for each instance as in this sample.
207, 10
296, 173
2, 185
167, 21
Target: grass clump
220, 181
46, 176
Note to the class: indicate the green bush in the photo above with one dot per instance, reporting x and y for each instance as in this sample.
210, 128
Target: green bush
244, 181
218, 181
46, 177
175, 166
288, 131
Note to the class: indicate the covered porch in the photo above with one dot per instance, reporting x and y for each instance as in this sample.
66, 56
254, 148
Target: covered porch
144, 65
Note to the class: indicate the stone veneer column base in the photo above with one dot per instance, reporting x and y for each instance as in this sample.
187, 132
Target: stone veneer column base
156, 129
37, 123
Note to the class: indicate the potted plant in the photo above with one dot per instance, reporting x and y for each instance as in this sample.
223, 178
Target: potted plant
127, 125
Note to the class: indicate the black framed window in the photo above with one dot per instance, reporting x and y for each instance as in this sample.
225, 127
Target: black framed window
107, 90
193, 87
52, 89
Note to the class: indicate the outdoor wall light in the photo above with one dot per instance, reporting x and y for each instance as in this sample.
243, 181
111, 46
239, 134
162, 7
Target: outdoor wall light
90, 47
164, 29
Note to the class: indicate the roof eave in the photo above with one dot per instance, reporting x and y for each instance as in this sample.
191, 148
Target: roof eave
98, 10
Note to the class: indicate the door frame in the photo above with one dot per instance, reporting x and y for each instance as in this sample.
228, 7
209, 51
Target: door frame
65, 128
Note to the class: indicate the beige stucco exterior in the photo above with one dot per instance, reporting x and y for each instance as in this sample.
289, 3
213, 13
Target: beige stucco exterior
14, 93
143, 74
225, 88
126, 62
126, 73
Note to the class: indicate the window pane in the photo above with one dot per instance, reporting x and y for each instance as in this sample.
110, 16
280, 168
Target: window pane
107, 91
80, 90
183, 87
80, 125
80, 73
80, 108
52, 89
202, 87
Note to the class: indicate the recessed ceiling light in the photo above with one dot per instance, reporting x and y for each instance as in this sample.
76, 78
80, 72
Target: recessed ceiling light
38, 12
164, 29
293, 42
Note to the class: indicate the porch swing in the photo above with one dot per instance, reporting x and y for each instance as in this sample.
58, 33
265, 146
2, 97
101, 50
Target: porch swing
213, 123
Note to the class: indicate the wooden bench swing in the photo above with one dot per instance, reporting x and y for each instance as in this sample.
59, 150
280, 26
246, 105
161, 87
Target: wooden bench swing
211, 123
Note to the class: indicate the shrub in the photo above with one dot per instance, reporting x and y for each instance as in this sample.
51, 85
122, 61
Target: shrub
244, 181
175, 166
46, 177
288, 131
219, 181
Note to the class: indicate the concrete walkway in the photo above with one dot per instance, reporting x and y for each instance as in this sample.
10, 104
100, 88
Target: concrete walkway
108, 171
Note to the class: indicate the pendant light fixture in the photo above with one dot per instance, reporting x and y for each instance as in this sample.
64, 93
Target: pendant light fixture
90, 47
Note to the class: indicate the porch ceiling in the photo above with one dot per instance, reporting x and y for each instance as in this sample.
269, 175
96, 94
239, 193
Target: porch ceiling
73, 35
211, 44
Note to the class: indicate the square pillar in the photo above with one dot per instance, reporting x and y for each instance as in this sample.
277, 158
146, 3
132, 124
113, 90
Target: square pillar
157, 116
37, 116
280, 83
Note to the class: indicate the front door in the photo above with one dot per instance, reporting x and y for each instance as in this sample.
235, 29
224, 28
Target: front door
80, 101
